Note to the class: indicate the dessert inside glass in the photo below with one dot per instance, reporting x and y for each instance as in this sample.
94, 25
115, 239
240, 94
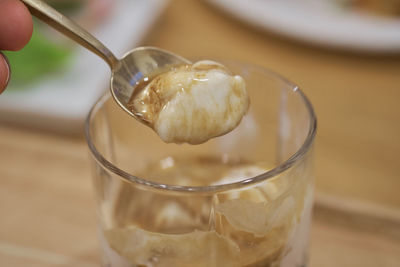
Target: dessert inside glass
242, 198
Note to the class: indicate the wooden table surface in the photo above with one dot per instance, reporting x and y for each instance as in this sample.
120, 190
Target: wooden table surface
47, 215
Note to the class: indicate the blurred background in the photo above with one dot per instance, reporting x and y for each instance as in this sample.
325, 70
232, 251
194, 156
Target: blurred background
344, 54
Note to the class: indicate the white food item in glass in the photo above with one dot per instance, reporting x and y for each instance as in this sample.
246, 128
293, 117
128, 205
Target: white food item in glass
266, 215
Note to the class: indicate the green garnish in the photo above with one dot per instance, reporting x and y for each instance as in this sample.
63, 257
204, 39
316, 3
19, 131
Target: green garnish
41, 56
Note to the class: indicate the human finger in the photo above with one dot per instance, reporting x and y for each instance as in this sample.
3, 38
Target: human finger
4, 72
15, 25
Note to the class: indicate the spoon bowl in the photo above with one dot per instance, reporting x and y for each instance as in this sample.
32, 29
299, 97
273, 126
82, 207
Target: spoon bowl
126, 72
134, 66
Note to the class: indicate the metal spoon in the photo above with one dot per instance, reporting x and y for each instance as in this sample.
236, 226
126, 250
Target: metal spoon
126, 72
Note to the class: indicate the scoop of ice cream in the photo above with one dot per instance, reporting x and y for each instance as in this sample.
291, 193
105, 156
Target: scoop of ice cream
193, 103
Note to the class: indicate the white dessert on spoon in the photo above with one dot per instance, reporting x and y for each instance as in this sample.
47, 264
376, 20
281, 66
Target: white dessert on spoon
192, 103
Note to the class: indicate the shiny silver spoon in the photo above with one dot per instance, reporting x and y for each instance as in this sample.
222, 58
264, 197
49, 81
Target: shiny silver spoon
126, 72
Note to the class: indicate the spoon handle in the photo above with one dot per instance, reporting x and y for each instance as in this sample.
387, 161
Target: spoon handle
71, 29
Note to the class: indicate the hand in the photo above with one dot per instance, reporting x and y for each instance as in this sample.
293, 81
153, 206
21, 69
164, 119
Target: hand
15, 32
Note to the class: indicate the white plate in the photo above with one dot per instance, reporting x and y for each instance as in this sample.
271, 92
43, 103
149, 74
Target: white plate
62, 102
320, 22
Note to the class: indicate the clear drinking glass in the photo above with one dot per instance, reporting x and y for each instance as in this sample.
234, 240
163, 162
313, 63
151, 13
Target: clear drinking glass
242, 199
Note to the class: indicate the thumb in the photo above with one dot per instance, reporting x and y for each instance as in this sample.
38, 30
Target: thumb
4, 72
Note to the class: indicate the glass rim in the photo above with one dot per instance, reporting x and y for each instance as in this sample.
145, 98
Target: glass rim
292, 160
